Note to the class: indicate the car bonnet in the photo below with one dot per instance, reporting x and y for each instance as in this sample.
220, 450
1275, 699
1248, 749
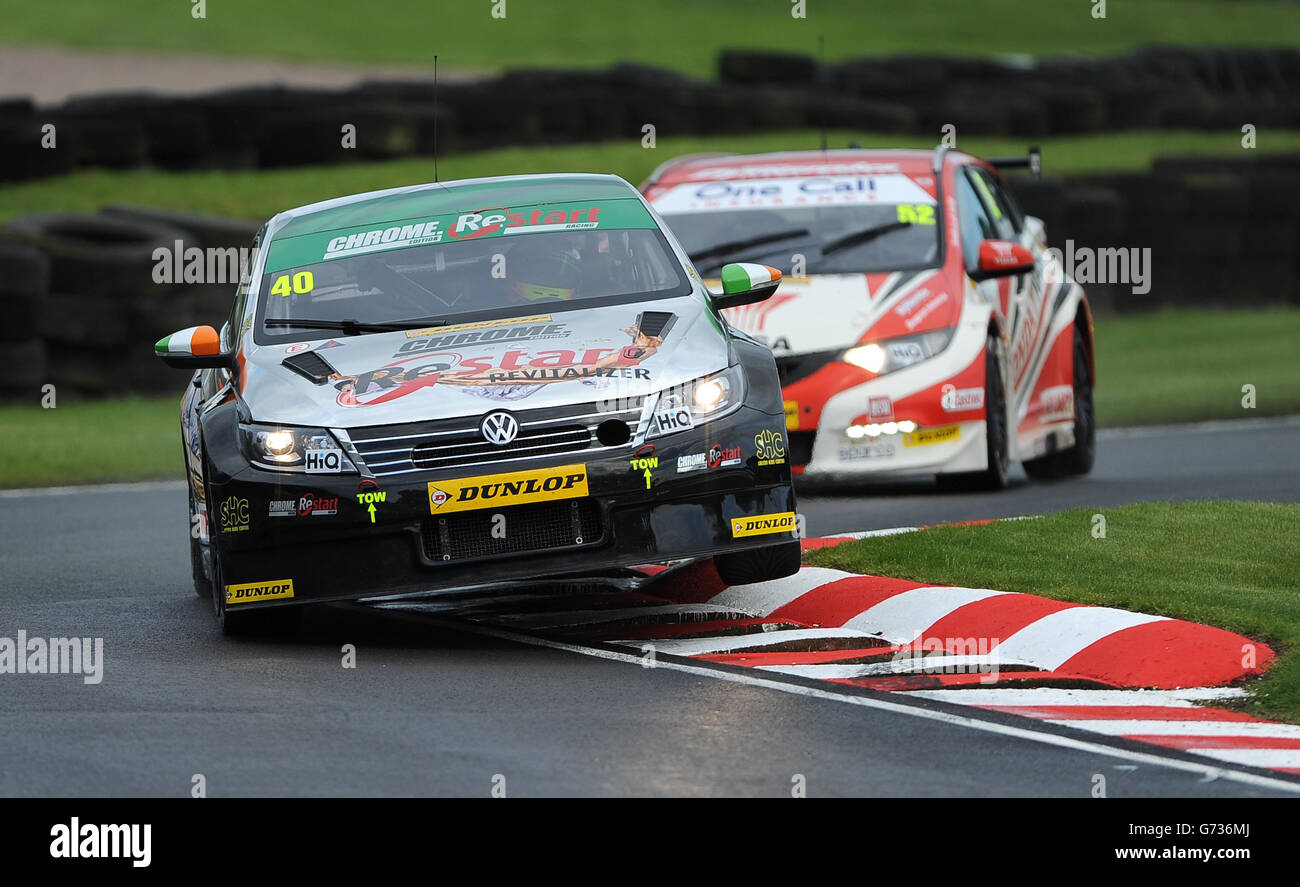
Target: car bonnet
530, 361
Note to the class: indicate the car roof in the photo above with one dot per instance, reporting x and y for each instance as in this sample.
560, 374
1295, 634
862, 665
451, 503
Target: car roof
797, 164
438, 198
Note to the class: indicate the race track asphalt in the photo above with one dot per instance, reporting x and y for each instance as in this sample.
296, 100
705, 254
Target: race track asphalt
433, 710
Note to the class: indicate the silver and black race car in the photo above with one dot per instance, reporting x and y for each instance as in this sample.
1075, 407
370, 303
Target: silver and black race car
452, 385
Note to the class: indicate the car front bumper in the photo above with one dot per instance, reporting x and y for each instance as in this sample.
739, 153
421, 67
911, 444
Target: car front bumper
340, 537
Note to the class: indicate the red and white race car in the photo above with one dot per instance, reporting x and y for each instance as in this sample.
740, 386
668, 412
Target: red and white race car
923, 327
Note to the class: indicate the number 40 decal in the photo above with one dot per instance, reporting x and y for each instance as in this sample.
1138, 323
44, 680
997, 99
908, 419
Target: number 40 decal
303, 282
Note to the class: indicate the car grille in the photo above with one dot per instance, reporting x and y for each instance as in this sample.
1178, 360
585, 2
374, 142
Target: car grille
543, 526
800, 366
423, 446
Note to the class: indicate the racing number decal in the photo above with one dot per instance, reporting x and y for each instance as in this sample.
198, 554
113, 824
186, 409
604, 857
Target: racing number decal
916, 213
302, 283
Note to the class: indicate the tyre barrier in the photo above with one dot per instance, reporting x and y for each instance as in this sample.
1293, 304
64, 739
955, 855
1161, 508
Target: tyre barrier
24, 276
81, 306
1222, 233
276, 126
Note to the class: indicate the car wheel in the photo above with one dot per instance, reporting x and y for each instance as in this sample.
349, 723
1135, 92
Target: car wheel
252, 622
1079, 458
759, 564
202, 585
996, 433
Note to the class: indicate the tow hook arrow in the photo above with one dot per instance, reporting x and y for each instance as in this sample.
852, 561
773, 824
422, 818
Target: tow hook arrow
647, 478
372, 512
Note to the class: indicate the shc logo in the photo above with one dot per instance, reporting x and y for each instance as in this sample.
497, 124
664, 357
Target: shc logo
499, 428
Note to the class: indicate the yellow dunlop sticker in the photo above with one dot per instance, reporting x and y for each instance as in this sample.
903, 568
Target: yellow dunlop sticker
502, 490
477, 325
791, 415
251, 592
762, 524
942, 434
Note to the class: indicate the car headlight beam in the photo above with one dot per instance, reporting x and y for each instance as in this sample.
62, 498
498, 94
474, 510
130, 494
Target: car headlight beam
889, 355
700, 400
286, 449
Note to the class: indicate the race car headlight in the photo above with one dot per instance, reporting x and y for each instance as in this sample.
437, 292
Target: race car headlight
894, 354
293, 449
700, 400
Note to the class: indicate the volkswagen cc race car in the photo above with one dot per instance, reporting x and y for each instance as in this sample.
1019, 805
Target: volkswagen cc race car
924, 327
457, 384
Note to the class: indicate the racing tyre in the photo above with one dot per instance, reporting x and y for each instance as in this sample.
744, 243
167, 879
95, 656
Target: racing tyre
996, 433
248, 623
202, 585
1077, 459
759, 564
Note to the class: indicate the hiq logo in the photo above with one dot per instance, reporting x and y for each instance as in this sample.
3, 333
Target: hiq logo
323, 461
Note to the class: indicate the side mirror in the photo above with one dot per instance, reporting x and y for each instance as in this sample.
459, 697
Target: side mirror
196, 348
1002, 258
744, 283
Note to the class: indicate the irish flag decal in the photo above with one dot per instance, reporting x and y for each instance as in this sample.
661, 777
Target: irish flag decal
744, 276
200, 341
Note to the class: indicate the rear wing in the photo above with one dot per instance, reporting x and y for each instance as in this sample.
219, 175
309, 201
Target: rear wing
1032, 161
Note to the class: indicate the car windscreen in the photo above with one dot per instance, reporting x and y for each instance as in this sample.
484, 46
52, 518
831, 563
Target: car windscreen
874, 238
838, 224
457, 279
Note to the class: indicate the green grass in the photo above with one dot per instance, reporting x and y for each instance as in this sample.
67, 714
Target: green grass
90, 442
259, 194
680, 34
1230, 564
1180, 366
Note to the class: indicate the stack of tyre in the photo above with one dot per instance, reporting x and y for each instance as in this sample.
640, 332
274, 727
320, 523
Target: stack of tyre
82, 305
24, 277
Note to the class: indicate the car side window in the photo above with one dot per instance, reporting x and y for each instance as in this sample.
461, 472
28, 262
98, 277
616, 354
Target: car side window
973, 217
231, 331
1006, 213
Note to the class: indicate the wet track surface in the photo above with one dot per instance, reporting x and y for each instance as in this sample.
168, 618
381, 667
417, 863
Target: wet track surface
432, 709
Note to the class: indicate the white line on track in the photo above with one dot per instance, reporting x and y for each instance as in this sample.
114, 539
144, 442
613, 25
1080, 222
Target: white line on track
1214, 426
903, 665
1207, 771
741, 642
139, 487
1265, 729
1254, 757
1054, 696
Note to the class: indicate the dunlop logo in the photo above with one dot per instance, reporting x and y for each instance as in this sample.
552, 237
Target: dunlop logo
763, 524
259, 591
504, 490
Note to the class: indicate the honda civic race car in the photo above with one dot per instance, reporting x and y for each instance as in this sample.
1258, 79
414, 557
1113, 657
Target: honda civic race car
924, 326
457, 384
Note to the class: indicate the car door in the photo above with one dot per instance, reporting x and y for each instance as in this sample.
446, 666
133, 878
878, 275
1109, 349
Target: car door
1020, 297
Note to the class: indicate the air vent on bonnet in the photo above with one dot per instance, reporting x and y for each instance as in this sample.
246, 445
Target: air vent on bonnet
655, 324
311, 365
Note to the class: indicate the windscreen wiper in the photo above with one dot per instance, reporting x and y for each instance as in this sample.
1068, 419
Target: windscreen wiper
351, 327
722, 250
858, 238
